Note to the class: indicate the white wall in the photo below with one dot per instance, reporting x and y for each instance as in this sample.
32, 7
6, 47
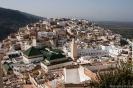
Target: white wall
114, 51
13, 53
72, 76
75, 75
59, 65
83, 76
106, 48
46, 68
61, 23
46, 34
16, 70
90, 51
37, 59
61, 42
27, 47
20, 37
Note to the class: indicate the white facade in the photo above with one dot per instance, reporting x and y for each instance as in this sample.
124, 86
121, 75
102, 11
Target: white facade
106, 48
85, 59
31, 60
83, 76
22, 68
84, 50
27, 46
13, 53
46, 22
46, 68
61, 42
101, 50
20, 37
61, 23
46, 34
41, 44
2, 51
113, 51
91, 51
87, 51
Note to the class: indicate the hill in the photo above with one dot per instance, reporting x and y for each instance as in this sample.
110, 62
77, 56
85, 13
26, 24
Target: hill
11, 20
123, 28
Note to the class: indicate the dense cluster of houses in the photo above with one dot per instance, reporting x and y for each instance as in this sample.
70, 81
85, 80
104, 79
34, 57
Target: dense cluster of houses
60, 53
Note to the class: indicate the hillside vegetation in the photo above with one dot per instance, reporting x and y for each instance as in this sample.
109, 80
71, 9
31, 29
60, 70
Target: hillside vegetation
123, 28
11, 20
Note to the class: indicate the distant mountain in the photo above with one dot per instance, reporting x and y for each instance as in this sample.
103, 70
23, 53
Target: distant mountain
11, 20
31, 15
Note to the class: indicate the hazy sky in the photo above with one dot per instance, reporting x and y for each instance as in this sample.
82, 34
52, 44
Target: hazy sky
98, 10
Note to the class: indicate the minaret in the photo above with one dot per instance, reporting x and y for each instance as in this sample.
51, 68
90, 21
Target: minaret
73, 49
1, 77
34, 42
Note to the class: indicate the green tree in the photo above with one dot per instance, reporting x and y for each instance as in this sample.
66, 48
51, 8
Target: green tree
118, 77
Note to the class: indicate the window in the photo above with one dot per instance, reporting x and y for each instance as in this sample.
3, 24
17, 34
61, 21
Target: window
130, 59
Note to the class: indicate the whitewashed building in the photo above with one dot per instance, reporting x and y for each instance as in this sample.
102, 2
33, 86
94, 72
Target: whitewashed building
32, 55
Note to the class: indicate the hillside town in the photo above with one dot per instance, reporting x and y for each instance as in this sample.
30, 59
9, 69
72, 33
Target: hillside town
60, 53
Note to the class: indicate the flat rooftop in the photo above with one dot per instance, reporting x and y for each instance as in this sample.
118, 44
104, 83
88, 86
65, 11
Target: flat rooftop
72, 78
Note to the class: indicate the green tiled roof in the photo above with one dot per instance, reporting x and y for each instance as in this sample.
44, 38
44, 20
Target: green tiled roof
45, 54
57, 50
52, 56
55, 56
21, 62
49, 47
6, 67
32, 52
54, 63
54, 50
